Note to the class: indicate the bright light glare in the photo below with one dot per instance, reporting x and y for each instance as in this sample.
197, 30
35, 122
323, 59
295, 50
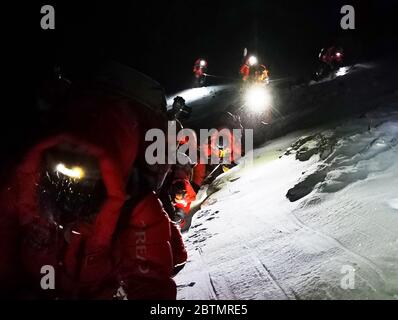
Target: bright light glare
75, 172
342, 71
202, 63
257, 98
252, 60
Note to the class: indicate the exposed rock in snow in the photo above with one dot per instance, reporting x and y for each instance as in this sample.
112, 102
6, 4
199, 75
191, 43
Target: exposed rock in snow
345, 153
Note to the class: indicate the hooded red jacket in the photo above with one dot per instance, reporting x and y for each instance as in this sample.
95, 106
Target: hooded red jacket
98, 258
198, 69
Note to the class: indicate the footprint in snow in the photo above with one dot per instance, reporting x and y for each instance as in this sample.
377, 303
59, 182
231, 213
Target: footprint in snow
211, 218
186, 285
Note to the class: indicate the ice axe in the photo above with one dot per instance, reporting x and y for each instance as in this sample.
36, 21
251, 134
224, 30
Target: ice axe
206, 180
222, 153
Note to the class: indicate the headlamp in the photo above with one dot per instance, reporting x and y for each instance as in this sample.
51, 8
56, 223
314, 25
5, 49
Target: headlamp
74, 172
257, 98
252, 60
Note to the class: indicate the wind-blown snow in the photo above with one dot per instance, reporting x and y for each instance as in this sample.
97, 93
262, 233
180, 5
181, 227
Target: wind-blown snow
312, 204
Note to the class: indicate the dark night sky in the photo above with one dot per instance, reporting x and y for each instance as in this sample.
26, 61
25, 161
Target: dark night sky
163, 38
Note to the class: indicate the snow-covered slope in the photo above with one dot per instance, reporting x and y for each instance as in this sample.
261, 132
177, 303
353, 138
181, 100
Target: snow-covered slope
315, 204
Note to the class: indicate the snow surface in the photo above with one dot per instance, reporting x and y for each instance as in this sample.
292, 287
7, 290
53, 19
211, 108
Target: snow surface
249, 241
195, 95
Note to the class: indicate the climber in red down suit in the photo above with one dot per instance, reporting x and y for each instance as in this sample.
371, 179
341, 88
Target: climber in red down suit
81, 204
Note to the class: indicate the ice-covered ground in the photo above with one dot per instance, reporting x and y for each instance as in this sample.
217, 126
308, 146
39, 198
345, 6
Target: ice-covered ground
318, 208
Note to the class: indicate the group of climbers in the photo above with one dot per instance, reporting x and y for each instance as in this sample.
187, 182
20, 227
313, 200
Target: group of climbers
85, 202
180, 188
250, 71
253, 71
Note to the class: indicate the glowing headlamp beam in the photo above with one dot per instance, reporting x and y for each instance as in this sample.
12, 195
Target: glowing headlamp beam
74, 172
252, 60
